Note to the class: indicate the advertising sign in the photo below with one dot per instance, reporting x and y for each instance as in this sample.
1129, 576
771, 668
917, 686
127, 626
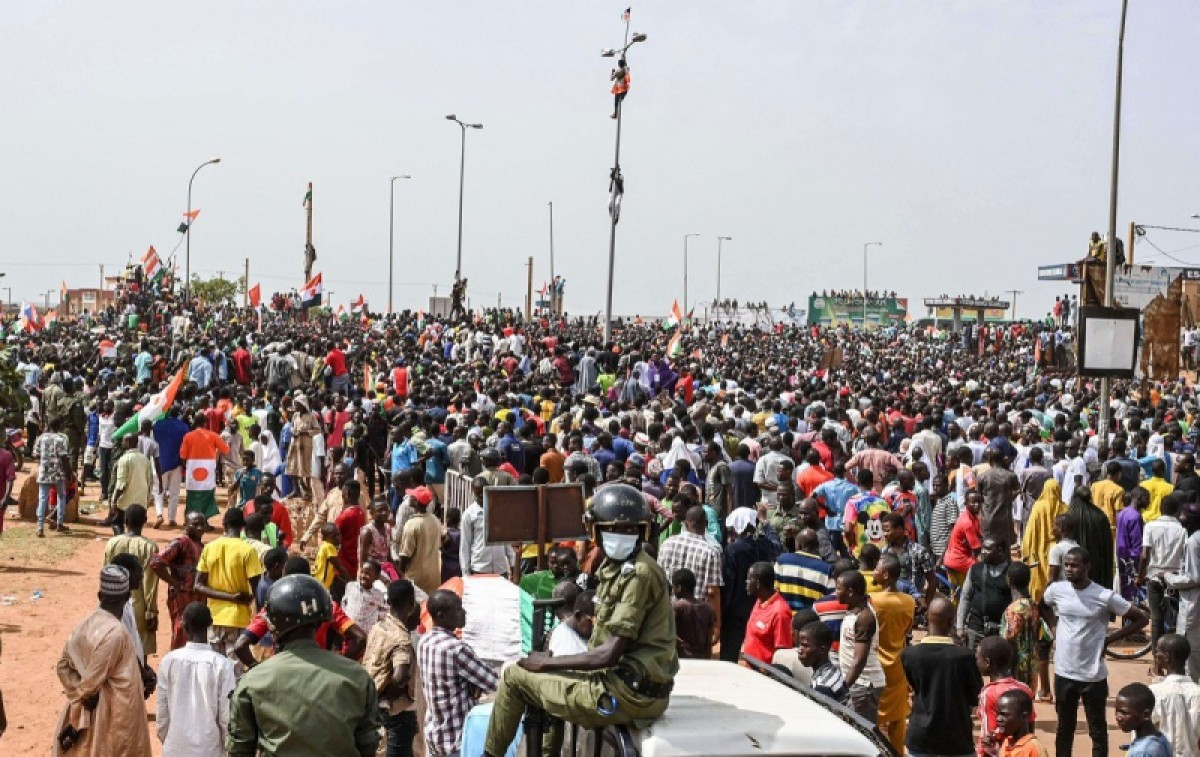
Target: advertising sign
830, 311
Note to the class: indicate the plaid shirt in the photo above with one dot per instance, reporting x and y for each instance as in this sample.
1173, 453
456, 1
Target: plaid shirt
697, 554
452, 676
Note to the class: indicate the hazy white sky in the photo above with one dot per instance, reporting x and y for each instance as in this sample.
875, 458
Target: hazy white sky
972, 138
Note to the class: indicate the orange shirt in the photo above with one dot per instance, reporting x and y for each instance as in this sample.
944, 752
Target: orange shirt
202, 444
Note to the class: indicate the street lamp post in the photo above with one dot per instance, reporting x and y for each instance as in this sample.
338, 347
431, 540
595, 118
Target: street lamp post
392, 234
462, 164
865, 246
187, 255
616, 187
719, 241
686, 237
47, 296
553, 286
1110, 257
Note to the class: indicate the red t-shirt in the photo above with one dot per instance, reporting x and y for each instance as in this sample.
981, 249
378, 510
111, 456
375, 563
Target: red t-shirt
349, 523
965, 539
336, 360
279, 516
989, 697
216, 420
400, 381
241, 366
258, 627
769, 629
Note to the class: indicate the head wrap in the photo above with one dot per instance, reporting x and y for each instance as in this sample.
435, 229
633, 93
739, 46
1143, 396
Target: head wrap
741, 519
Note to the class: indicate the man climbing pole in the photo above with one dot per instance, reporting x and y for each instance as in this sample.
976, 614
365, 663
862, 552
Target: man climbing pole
620, 88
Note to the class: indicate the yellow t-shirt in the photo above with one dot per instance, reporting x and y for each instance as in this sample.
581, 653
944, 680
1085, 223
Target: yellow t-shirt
230, 564
323, 569
1158, 489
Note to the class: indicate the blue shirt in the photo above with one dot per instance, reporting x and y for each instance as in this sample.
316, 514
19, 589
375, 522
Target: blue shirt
404, 456
802, 579
834, 494
200, 371
142, 364
169, 433
513, 452
622, 447
1155, 745
435, 466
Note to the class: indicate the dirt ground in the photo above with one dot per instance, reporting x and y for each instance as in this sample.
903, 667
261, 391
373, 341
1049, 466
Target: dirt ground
63, 568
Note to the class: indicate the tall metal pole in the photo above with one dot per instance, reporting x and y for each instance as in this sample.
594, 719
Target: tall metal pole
865, 246
617, 182
462, 173
686, 237
553, 287
719, 241
187, 255
1110, 257
1014, 293
392, 235
462, 168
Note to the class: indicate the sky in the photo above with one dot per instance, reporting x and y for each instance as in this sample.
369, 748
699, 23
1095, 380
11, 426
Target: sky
973, 139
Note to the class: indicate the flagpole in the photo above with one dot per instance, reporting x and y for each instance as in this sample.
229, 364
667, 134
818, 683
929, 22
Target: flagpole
553, 309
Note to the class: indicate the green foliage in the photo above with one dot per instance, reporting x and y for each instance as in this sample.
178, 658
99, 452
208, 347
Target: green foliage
217, 290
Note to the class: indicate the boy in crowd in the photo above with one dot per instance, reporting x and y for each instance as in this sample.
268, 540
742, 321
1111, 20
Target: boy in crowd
814, 641
695, 622
194, 686
1014, 726
1176, 697
571, 635
1134, 710
994, 657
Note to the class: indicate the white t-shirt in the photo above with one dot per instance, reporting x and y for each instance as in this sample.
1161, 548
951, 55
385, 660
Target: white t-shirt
564, 641
1059, 551
1082, 625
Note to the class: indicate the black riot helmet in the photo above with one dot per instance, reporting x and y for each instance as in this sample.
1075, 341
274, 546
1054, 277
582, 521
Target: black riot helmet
618, 504
296, 601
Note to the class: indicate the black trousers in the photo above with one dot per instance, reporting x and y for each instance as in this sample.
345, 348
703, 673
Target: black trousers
733, 633
401, 728
1067, 694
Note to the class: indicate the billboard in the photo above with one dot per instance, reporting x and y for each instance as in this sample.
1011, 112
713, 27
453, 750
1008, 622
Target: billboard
830, 311
990, 314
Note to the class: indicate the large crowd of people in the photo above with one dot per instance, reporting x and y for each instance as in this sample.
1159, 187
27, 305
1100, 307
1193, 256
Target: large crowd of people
919, 527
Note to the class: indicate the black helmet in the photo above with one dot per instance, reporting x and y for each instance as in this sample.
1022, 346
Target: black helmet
490, 455
295, 601
618, 504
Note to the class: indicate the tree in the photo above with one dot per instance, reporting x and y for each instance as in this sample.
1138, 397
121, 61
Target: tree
217, 290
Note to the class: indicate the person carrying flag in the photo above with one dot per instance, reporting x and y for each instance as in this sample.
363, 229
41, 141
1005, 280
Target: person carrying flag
198, 454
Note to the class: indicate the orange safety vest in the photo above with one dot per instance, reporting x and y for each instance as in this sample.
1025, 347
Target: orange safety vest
621, 86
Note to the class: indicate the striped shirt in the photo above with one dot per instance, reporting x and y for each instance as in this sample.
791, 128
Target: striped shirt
802, 578
828, 680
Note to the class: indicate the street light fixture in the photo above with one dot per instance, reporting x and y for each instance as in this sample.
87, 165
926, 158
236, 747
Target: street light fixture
187, 264
686, 237
616, 189
392, 234
865, 246
462, 162
719, 241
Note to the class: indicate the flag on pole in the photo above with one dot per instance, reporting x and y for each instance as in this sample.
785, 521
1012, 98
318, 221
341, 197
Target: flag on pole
341, 311
51, 318
674, 347
62, 291
676, 317
307, 197
359, 305
190, 215
30, 320
625, 15
151, 265
724, 341
310, 295
108, 349
254, 295
156, 408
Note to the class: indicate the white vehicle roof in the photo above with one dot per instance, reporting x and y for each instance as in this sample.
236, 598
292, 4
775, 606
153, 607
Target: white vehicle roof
719, 709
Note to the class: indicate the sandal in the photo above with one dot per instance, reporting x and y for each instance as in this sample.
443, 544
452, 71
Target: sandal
1044, 697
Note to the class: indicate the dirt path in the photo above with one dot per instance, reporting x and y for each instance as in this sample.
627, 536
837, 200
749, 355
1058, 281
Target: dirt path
64, 569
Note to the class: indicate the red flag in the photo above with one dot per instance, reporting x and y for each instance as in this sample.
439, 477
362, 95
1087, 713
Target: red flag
255, 295
191, 214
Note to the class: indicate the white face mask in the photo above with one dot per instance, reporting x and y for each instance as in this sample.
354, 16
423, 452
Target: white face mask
618, 546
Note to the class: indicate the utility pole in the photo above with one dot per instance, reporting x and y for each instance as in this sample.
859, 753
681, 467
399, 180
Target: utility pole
1014, 293
529, 290
310, 252
1132, 236
1110, 257
246, 285
102, 277
553, 287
